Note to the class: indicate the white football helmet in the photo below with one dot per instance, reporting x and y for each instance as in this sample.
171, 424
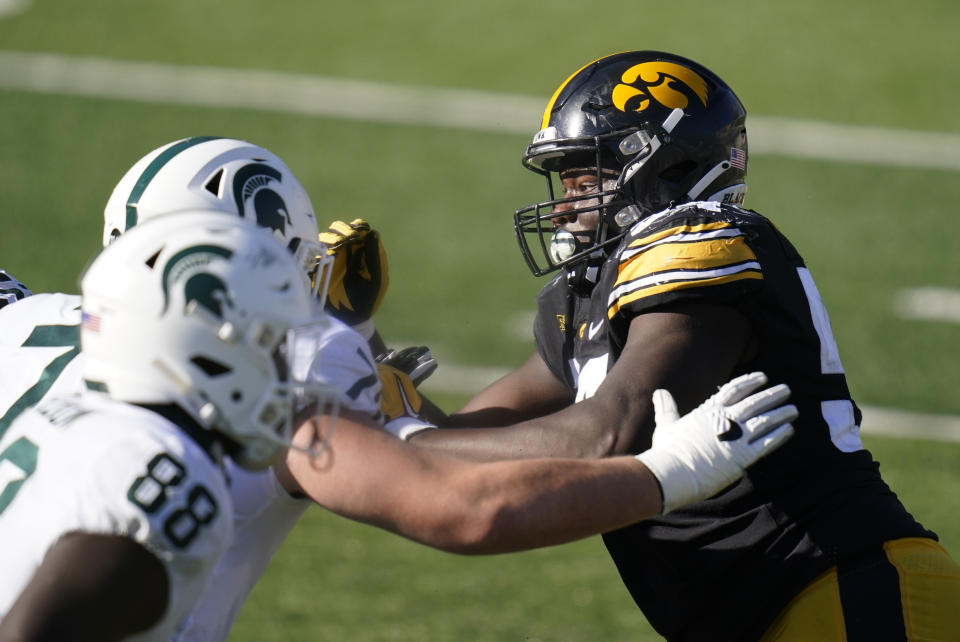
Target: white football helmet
223, 174
202, 310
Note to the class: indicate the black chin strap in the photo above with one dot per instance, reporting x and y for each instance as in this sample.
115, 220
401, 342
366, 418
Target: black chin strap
583, 275
211, 442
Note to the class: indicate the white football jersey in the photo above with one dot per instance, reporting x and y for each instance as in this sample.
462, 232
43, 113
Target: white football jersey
87, 463
39, 338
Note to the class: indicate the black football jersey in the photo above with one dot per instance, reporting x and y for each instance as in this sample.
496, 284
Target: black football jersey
796, 512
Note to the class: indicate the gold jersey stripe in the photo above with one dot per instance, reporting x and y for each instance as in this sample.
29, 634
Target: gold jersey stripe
698, 255
679, 285
680, 229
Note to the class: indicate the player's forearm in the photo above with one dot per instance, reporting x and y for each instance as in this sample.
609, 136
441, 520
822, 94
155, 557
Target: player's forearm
90, 587
472, 508
515, 506
585, 430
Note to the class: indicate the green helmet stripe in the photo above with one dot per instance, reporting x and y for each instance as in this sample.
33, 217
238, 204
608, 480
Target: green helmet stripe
141, 185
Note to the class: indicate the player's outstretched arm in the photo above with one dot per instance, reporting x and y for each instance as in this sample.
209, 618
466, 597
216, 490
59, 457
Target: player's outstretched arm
474, 508
689, 349
90, 587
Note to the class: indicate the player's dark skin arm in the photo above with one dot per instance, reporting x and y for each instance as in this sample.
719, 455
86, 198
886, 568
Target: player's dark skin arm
689, 349
89, 587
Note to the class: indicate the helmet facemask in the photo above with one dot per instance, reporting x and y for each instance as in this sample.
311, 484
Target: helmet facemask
617, 158
264, 432
543, 243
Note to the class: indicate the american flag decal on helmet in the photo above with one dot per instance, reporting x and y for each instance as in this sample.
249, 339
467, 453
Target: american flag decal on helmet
738, 158
91, 322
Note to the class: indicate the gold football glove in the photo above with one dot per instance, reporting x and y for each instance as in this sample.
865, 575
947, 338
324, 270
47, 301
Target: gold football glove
400, 372
398, 396
359, 276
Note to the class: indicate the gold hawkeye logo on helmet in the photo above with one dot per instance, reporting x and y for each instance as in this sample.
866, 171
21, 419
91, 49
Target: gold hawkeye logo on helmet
667, 83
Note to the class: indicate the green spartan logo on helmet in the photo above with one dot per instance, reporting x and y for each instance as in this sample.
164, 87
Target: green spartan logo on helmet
253, 181
208, 291
189, 265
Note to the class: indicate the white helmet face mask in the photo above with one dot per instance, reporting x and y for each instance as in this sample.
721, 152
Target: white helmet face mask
202, 311
218, 174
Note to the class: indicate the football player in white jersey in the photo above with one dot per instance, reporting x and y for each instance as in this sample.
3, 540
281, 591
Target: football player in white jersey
41, 335
267, 504
114, 507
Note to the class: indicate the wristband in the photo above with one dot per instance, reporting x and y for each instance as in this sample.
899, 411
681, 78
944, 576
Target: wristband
406, 427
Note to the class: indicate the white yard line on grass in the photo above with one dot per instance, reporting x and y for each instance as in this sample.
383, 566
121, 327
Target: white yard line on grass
13, 7
910, 425
928, 303
461, 109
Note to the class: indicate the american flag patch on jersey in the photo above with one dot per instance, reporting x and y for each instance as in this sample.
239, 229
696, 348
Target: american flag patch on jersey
91, 322
738, 158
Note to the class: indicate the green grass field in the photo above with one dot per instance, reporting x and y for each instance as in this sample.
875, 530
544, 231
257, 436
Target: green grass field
444, 200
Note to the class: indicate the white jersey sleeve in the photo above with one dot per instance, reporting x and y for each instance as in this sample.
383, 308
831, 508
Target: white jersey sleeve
97, 466
39, 350
342, 360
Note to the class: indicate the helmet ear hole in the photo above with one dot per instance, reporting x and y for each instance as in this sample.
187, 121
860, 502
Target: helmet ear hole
214, 184
210, 367
152, 261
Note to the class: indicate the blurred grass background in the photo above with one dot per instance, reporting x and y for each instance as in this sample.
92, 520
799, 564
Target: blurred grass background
444, 200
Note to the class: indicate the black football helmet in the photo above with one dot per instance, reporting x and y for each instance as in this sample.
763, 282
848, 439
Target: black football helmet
671, 131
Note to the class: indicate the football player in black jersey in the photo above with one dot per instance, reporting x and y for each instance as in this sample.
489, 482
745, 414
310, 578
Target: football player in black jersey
664, 280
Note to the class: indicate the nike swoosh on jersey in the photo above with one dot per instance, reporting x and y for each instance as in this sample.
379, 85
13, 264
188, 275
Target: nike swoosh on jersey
594, 329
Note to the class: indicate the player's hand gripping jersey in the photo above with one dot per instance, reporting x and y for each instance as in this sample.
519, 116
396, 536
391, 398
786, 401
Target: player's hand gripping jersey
131, 473
793, 513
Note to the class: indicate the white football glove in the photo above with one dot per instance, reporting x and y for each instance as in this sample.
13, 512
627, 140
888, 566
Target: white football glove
698, 455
